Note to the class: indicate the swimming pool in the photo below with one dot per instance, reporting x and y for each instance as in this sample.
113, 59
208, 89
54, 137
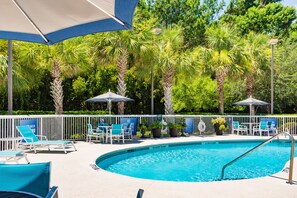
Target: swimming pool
197, 161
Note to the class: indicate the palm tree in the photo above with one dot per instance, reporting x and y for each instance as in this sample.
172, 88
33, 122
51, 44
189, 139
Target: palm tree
220, 56
116, 48
255, 48
169, 60
67, 58
24, 75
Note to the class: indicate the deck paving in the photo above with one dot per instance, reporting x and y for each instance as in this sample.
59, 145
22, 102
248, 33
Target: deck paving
75, 177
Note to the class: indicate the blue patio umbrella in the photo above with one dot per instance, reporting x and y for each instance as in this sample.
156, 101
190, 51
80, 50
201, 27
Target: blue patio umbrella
52, 21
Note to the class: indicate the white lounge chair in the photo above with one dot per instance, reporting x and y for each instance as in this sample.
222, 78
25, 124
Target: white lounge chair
32, 140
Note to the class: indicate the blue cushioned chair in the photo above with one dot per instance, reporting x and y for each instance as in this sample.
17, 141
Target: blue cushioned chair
236, 127
18, 179
31, 139
94, 134
117, 131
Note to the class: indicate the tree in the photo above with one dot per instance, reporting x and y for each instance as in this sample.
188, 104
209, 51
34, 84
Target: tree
169, 58
192, 16
66, 58
220, 56
115, 48
273, 19
257, 56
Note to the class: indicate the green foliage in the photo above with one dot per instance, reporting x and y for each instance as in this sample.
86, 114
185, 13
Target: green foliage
89, 63
220, 122
156, 125
273, 19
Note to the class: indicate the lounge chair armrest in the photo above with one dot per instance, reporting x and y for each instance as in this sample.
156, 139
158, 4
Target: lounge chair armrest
53, 193
42, 137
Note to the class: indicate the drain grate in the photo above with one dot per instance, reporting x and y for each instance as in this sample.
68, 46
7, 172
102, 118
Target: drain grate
94, 166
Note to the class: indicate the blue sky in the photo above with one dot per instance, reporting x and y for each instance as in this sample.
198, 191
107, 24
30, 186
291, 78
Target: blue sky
290, 3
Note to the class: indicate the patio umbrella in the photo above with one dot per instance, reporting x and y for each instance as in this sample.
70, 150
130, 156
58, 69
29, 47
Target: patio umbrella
251, 102
109, 97
49, 22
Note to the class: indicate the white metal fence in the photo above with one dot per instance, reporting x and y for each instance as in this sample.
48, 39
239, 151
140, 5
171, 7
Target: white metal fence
75, 126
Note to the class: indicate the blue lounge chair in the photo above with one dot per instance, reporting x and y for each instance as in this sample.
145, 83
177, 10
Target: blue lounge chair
94, 134
236, 127
31, 139
13, 156
21, 180
12, 153
117, 131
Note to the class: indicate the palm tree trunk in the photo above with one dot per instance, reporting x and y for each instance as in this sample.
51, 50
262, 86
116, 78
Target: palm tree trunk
220, 76
167, 87
250, 84
122, 87
57, 88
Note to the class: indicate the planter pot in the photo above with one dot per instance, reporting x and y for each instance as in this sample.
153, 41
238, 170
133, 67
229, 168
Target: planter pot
217, 129
173, 132
156, 133
142, 131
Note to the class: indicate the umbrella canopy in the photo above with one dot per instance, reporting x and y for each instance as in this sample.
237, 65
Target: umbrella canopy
48, 22
251, 102
109, 97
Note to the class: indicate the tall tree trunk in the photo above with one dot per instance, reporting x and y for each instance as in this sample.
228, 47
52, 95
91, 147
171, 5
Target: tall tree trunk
122, 69
167, 87
57, 88
250, 84
220, 76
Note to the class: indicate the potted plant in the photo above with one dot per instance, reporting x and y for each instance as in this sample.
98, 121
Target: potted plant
220, 125
173, 129
156, 129
142, 128
182, 124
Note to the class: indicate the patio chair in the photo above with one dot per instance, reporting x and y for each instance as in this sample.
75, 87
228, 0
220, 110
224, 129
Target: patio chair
94, 134
102, 127
26, 180
128, 131
272, 125
32, 140
236, 127
262, 128
117, 131
12, 152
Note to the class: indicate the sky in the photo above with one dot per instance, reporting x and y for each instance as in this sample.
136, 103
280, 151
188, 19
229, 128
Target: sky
290, 3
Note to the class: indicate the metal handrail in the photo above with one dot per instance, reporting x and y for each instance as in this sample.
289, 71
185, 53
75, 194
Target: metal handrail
290, 180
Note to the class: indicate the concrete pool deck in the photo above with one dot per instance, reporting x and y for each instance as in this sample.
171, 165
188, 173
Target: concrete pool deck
75, 177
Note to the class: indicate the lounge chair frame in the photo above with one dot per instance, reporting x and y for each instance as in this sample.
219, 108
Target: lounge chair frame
13, 153
33, 141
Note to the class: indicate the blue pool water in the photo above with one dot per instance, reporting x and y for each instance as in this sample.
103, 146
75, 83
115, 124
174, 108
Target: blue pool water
197, 162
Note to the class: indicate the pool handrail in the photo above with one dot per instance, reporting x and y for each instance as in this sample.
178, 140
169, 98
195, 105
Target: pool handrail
290, 179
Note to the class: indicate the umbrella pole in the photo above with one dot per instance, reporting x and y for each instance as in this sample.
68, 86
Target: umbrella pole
9, 76
109, 106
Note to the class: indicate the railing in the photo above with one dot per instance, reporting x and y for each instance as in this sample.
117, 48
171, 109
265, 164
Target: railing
290, 180
74, 127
